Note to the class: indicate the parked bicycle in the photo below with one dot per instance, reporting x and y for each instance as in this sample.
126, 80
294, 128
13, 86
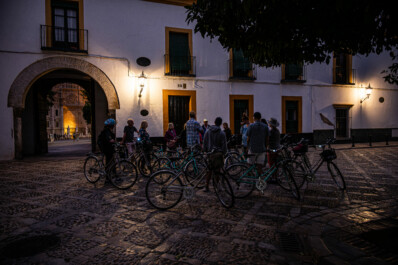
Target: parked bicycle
305, 170
246, 177
166, 188
121, 173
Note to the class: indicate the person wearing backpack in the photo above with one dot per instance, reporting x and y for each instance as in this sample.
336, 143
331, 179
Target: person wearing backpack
106, 139
215, 139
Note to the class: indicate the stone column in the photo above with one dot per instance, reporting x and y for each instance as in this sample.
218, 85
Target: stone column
18, 133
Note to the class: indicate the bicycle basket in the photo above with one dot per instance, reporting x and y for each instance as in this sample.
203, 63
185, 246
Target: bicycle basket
300, 149
329, 154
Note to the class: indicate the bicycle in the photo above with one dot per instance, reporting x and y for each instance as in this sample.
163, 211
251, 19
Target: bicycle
121, 173
144, 160
327, 155
246, 177
192, 163
166, 188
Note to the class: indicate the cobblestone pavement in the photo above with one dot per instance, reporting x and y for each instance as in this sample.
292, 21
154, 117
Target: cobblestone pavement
98, 224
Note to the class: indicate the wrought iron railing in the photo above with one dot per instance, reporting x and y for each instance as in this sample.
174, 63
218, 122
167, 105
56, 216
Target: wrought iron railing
242, 70
345, 75
63, 39
295, 73
179, 65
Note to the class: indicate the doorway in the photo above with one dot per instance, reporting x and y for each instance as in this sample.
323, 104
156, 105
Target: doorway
64, 111
291, 115
342, 123
179, 111
176, 107
239, 104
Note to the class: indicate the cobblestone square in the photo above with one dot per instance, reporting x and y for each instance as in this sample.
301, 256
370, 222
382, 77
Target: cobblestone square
98, 224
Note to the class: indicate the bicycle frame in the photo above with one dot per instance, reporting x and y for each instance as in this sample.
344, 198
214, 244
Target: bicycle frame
267, 174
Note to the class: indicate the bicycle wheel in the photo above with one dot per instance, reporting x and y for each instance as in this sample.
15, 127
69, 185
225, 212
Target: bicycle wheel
92, 169
241, 182
223, 190
194, 171
299, 173
336, 175
123, 175
147, 165
232, 158
164, 190
288, 174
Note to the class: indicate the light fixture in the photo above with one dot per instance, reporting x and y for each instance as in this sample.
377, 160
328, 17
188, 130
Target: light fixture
368, 91
141, 81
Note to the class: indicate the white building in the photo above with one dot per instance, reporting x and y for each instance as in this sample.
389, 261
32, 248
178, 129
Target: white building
96, 44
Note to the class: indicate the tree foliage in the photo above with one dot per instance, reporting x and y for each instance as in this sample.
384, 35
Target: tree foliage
272, 32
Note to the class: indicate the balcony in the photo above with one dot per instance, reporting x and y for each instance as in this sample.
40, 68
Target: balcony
344, 76
296, 73
242, 70
179, 65
63, 39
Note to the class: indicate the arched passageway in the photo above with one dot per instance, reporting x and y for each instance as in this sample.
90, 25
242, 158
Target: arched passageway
29, 93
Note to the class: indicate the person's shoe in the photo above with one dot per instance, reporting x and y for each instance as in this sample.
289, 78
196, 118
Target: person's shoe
206, 189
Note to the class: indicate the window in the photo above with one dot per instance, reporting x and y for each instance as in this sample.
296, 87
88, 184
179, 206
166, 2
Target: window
239, 66
293, 72
56, 112
48, 124
64, 26
178, 58
56, 124
291, 115
342, 69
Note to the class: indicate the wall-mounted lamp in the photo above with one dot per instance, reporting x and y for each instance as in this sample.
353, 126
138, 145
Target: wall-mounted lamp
141, 81
368, 91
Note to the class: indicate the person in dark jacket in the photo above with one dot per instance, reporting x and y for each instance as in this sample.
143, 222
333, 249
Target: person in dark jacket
108, 141
227, 131
214, 139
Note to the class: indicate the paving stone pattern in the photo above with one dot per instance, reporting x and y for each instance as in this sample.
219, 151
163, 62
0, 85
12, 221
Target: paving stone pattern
98, 224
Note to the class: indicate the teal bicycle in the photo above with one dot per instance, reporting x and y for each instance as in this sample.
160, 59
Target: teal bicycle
191, 163
245, 177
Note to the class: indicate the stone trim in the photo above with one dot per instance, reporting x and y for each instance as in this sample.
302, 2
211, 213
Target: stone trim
24, 80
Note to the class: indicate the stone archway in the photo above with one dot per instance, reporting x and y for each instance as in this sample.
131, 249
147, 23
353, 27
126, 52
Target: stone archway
25, 79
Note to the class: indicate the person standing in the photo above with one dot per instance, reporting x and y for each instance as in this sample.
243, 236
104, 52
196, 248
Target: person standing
215, 139
205, 126
274, 142
257, 141
227, 131
193, 129
171, 137
243, 132
106, 139
128, 135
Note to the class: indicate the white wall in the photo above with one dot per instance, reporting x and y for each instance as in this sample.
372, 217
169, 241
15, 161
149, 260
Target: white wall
132, 29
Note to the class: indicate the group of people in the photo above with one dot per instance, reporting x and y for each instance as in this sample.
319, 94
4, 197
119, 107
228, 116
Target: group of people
192, 133
107, 138
257, 137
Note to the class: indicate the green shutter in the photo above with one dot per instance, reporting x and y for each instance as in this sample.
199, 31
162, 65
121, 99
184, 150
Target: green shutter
180, 59
241, 65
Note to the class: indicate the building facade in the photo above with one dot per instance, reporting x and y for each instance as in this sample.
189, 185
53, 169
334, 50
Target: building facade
65, 116
140, 59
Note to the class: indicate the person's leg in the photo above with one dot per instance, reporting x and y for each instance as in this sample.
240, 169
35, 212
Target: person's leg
129, 148
259, 160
